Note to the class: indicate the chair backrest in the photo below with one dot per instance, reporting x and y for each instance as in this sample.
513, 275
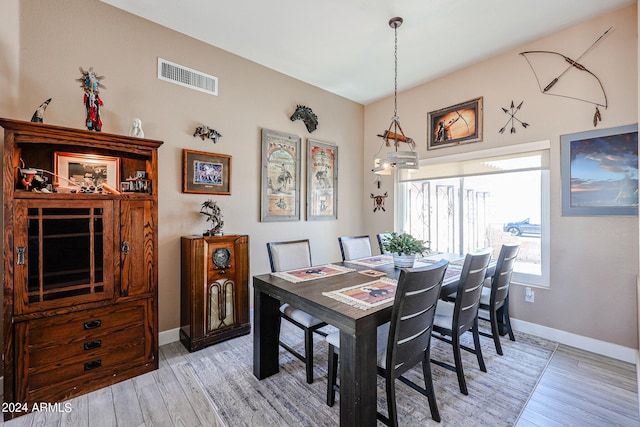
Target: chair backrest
469, 291
353, 247
381, 237
502, 277
412, 315
289, 255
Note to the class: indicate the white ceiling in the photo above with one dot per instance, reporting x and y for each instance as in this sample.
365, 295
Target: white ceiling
346, 46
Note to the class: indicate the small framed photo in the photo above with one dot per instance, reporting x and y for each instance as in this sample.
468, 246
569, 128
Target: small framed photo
125, 187
141, 174
600, 172
74, 170
206, 173
455, 125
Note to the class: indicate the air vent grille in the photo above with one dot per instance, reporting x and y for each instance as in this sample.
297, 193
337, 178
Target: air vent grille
187, 77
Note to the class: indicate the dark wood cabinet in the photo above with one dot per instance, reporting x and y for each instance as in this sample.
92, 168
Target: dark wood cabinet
80, 268
214, 293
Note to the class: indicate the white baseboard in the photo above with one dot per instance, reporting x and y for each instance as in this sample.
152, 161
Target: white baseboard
603, 348
167, 337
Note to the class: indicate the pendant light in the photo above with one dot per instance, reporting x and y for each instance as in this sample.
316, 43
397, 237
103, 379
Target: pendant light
395, 159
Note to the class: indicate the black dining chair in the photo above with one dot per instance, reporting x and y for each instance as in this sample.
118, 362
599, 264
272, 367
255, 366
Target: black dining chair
454, 319
290, 255
381, 237
354, 247
494, 300
405, 341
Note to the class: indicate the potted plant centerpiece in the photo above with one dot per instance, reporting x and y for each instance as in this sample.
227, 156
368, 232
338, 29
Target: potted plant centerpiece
404, 248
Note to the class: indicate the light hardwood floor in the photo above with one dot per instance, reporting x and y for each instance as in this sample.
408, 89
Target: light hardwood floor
578, 388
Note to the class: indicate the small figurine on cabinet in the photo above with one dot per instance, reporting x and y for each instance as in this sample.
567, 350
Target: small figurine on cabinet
212, 211
90, 82
136, 128
38, 115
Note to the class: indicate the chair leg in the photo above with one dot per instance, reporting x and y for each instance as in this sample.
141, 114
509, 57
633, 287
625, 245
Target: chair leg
428, 385
476, 343
494, 331
455, 341
308, 354
332, 376
507, 319
391, 399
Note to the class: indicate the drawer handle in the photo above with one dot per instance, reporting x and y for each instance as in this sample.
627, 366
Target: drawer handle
91, 345
93, 324
92, 365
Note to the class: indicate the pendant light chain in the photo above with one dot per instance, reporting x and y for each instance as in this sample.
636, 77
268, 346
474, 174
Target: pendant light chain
395, 80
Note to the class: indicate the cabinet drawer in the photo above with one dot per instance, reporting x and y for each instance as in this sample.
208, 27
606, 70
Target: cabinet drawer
83, 325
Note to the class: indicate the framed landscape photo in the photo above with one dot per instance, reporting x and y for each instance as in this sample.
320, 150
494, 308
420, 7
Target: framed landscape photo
322, 180
75, 170
280, 187
206, 173
455, 125
600, 172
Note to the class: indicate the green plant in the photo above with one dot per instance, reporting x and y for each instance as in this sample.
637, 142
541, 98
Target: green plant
404, 244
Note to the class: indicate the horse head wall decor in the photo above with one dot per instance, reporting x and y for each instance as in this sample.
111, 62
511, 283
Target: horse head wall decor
307, 115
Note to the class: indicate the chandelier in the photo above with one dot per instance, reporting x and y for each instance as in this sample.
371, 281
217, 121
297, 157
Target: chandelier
395, 159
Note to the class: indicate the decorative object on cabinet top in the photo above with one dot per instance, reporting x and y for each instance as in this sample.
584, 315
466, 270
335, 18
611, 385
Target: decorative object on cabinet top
90, 82
38, 115
136, 128
212, 211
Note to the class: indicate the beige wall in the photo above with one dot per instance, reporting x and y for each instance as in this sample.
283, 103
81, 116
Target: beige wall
57, 37
594, 260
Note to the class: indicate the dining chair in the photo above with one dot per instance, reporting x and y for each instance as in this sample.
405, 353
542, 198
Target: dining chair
495, 299
454, 319
290, 255
403, 342
354, 247
381, 237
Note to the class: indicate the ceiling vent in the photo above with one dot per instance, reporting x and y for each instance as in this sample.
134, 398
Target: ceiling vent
185, 76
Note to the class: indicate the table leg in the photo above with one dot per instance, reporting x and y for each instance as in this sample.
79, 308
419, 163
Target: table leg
358, 383
266, 333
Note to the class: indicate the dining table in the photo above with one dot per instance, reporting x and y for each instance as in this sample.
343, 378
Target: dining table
358, 346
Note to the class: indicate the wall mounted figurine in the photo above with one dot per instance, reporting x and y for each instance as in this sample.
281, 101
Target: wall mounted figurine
307, 115
512, 111
554, 79
90, 83
206, 132
378, 202
136, 128
38, 115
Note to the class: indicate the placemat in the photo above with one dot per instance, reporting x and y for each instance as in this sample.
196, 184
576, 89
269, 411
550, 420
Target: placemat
372, 261
366, 295
312, 273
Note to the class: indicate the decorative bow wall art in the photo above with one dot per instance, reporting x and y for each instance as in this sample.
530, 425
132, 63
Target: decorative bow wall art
560, 73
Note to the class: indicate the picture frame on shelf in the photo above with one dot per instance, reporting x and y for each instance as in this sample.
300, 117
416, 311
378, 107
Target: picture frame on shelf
455, 125
74, 170
322, 180
280, 178
206, 173
599, 171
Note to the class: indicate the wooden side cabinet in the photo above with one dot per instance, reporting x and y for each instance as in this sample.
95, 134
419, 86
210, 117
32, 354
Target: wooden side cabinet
214, 292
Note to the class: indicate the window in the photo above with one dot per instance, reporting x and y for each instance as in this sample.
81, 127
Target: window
461, 206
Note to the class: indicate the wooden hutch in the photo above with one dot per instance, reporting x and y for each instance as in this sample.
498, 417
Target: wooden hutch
80, 261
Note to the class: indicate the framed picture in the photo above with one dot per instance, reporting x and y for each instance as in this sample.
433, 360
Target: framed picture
280, 189
206, 173
322, 180
455, 125
75, 170
600, 172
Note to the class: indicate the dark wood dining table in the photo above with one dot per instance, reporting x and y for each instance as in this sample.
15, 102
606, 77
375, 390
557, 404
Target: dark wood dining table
357, 327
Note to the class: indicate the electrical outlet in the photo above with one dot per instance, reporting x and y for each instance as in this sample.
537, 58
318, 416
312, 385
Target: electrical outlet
529, 296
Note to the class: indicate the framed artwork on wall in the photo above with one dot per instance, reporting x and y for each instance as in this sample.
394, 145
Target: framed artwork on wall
455, 125
322, 180
206, 173
75, 170
600, 172
280, 187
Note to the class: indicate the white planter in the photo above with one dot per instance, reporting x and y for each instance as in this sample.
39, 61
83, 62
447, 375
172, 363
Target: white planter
404, 261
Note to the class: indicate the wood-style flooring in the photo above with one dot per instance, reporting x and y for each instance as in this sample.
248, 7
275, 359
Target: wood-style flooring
578, 388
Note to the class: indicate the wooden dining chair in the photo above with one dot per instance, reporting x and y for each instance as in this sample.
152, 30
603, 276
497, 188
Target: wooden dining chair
381, 237
290, 255
405, 341
354, 247
454, 319
495, 299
